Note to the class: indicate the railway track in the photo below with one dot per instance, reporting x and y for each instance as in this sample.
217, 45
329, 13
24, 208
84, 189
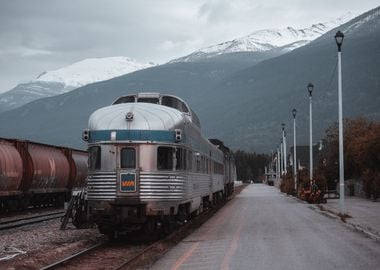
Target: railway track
19, 222
61, 263
117, 256
108, 255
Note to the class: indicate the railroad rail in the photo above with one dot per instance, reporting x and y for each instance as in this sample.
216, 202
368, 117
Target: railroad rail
73, 256
19, 222
82, 257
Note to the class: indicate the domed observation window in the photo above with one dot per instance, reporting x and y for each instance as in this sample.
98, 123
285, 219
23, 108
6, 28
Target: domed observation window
148, 100
125, 99
175, 103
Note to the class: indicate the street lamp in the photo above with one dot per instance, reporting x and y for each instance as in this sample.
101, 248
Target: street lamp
281, 158
339, 40
284, 141
278, 170
294, 112
310, 88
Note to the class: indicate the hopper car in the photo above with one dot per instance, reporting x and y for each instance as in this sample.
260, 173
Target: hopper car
36, 174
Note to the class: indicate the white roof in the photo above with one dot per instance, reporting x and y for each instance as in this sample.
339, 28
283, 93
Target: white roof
146, 116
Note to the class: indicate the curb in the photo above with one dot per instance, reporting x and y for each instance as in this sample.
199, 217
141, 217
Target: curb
359, 228
350, 225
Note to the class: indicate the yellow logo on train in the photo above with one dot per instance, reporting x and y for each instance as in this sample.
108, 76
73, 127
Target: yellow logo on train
128, 182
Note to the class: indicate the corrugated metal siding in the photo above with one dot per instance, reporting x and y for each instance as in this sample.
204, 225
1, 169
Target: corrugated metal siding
101, 186
162, 186
217, 183
199, 185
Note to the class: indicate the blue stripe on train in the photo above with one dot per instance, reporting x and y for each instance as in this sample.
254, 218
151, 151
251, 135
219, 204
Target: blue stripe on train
133, 135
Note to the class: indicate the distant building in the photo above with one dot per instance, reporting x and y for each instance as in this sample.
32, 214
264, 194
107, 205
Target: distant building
303, 158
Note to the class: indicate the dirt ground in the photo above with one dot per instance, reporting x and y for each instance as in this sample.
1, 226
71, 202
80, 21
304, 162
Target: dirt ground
37, 245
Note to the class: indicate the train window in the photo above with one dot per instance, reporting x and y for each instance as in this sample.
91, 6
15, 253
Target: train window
198, 161
165, 158
179, 158
94, 157
148, 100
190, 160
128, 158
195, 118
174, 103
184, 158
218, 168
126, 99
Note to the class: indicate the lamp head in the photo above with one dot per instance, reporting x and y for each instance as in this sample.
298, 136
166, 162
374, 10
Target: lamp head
339, 39
294, 112
310, 88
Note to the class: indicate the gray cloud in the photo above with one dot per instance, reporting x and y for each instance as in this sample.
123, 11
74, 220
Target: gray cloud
48, 34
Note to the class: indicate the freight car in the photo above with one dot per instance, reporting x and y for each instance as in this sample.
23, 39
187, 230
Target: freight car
35, 174
149, 165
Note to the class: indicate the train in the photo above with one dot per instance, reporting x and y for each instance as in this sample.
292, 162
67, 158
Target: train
150, 167
36, 175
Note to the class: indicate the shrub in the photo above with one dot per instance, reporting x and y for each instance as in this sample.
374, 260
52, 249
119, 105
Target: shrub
287, 184
371, 184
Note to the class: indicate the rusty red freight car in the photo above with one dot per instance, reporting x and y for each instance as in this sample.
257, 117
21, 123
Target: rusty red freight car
11, 170
78, 168
38, 174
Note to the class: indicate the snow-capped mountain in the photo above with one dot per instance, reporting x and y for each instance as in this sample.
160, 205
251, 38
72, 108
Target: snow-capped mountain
68, 78
286, 39
92, 70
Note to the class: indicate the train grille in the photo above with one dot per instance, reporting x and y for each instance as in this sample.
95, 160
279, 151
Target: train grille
164, 186
101, 186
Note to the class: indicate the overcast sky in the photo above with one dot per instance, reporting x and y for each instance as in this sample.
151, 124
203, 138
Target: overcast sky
41, 35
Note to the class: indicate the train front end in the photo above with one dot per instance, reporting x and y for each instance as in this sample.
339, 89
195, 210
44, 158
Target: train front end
126, 190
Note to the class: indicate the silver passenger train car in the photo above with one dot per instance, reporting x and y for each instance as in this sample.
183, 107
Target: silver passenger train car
149, 165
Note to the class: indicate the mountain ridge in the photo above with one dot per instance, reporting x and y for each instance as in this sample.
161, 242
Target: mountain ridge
239, 100
287, 38
65, 79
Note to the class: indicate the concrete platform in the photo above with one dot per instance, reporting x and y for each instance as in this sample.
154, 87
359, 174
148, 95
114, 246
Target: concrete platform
365, 214
264, 229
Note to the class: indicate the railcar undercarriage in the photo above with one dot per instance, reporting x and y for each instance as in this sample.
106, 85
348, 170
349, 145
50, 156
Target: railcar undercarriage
118, 219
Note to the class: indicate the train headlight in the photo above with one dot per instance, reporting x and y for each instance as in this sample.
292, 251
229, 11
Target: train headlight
86, 135
129, 116
113, 135
178, 135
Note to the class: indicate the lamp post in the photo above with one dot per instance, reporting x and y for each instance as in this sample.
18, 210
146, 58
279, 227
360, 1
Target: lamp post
281, 158
278, 165
339, 40
284, 144
294, 112
310, 88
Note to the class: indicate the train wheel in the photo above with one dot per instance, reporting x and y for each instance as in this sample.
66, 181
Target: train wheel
153, 228
200, 209
168, 225
149, 226
182, 213
59, 200
107, 230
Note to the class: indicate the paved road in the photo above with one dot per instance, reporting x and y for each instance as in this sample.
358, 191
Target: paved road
263, 229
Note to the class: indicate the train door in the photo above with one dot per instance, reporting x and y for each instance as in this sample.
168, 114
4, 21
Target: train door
127, 170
